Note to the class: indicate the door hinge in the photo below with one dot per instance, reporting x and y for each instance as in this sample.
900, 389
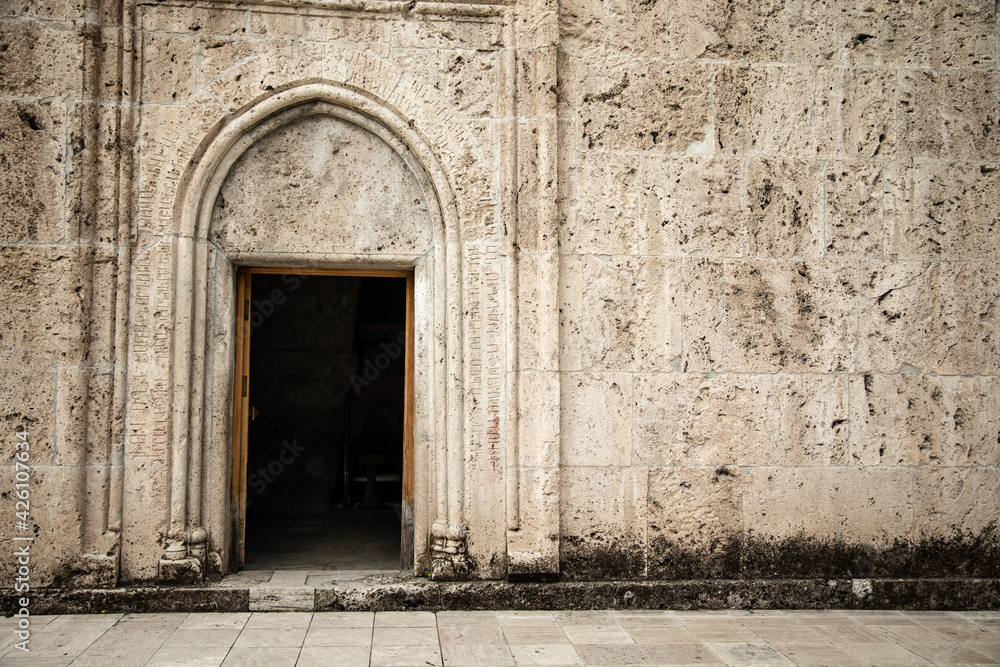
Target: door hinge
244, 386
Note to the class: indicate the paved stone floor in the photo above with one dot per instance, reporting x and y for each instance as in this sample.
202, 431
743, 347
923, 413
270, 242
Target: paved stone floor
344, 639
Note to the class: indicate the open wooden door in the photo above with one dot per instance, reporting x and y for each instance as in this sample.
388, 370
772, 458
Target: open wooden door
241, 418
242, 409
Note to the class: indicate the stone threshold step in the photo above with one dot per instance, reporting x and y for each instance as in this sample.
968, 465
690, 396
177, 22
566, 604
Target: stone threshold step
407, 593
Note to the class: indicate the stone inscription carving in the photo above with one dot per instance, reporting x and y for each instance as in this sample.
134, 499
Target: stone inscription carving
149, 391
486, 346
162, 168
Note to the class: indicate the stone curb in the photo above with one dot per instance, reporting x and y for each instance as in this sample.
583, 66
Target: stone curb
422, 595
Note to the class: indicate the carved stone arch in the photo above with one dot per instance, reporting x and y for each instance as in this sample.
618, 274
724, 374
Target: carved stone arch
203, 274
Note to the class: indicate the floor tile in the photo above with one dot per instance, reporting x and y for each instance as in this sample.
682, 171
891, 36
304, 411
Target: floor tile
469, 655
881, 653
343, 619
180, 656
327, 656
545, 654
526, 634
202, 638
612, 654
529, 618
749, 654
338, 637
680, 654
270, 637
405, 619
405, 637
228, 621
257, 656
662, 635
949, 654
405, 656
465, 619
287, 619
815, 653
585, 618
597, 634
471, 635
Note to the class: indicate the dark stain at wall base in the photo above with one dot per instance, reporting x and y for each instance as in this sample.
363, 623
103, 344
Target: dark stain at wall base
739, 557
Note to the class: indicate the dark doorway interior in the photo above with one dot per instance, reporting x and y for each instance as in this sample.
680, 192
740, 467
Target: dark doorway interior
325, 441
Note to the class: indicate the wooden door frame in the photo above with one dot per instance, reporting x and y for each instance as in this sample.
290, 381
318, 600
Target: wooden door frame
241, 403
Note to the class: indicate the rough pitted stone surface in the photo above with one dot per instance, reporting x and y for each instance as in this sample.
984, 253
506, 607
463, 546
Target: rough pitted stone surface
703, 289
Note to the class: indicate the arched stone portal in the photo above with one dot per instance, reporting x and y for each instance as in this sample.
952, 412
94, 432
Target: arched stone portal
395, 211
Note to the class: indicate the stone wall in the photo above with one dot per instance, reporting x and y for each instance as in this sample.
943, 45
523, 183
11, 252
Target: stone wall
705, 289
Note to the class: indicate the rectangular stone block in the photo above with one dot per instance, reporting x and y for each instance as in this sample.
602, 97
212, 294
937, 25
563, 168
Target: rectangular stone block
32, 182
685, 419
948, 115
857, 195
812, 32
944, 211
168, 66
703, 334
905, 420
932, 317
692, 205
855, 114
858, 504
784, 208
613, 27
765, 110
40, 59
626, 327
596, 413
638, 104
602, 204
695, 524
810, 420
741, 30
603, 522
790, 316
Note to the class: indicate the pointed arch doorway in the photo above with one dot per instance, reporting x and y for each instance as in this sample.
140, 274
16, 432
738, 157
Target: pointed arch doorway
323, 414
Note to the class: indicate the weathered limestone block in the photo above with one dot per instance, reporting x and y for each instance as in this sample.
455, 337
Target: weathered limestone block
417, 31
687, 419
602, 208
858, 504
322, 178
812, 32
934, 317
790, 316
827, 521
703, 336
41, 312
944, 210
57, 10
32, 154
466, 81
855, 113
55, 521
810, 420
948, 115
784, 209
921, 420
614, 28
741, 30
168, 67
39, 59
603, 522
765, 110
626, 327
695, 523
692, 206
216, 54
955, 521
945, 34
202, 21
857, 195
638, 104
596, 413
